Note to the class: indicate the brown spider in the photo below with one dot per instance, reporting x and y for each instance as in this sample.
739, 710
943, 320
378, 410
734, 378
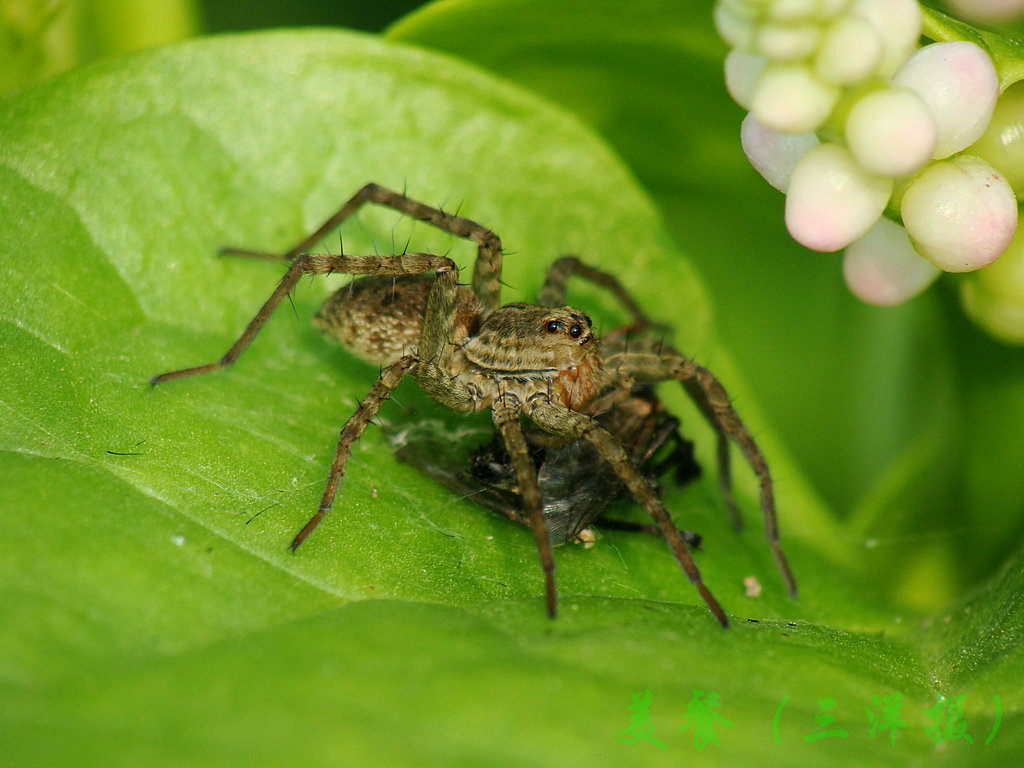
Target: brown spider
411, 316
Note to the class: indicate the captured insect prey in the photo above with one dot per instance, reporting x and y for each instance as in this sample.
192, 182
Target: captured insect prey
409, 314
577, 486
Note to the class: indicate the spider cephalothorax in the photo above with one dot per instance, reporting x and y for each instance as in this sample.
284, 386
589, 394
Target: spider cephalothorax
524, 350
466, 351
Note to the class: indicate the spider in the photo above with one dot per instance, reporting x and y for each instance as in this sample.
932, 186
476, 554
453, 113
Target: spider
469, 352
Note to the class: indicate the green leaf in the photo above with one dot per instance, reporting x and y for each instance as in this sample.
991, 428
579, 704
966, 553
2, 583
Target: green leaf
151, 612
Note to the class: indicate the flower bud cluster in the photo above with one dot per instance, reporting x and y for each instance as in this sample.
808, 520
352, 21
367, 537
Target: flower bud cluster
852, 120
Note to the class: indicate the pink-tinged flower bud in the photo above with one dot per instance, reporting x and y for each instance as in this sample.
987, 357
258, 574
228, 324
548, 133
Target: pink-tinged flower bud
832, 201
891, 132
790, 99
961, 214
883, 268
958, 82
774, 154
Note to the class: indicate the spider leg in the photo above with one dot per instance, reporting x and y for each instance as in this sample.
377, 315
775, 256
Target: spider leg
646, 364
436, 348
316, 264
693, 540
560, 420
487, 272
352, 431
424, 365
552, 293
505, 412
700, 398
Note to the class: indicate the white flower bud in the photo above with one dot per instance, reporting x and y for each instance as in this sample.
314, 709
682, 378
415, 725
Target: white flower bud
742, 71
734, 28
790, 99
851, 50
831, 9
958, 82
961, 214
899, 24
994, 297
891, 132
883, 268
832, 201
787, 42
794, 10
774, 154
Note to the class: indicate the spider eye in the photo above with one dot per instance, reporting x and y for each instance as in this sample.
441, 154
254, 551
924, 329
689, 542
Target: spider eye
575, 331
552, 326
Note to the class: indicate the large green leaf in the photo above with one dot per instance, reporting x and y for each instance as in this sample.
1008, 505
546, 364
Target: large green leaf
151, 612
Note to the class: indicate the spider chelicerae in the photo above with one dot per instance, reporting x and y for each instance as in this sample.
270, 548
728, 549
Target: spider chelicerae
409, 314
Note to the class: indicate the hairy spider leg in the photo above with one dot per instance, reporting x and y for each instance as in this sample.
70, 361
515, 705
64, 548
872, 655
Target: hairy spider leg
427, 365
389, 378
560, 420
553, 292
434, 348
313, 264
506, 413
700, 398
486, 272
652, 365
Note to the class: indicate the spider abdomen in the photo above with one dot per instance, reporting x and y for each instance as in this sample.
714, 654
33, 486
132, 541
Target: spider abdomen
380, 318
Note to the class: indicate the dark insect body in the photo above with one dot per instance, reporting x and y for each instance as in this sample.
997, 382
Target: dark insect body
469, 352
577, 486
